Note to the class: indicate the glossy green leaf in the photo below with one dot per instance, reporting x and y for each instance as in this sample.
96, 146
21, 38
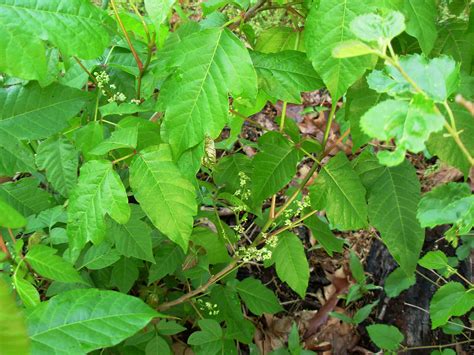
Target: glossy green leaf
29, 24
284, 75
273, 167
13, 335
155, 177
277, 39
397, 282
451, 203
60, 160
99, 191
357, 270
386, 337
337, 74
210, 64
351, 48
10, 217
257, 297
421, 22
434, 260
25, 196
26, 291
120, 138
45, 262
450, 300
32, 112
80, 321
339, 191
393, 196
324, 236
291, 264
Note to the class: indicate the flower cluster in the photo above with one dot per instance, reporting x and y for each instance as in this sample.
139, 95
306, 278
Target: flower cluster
210, 308
252, 253
103, 80
243, 192
300, 206
270, 241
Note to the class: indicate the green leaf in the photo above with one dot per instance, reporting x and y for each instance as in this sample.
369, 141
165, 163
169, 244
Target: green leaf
13, 336
284, 75
437, 77
32, 112
148, 132
273, 167
397, 282
446, 148
291, 264
45, 262
337, 74
451, 299
99, 257
81, 321
351, 48
29, 24
168, 257
99, 191
375, 28
158, 10
25, 196
364, 312
59, 158
450, 203
421, 22
216, 250
393, 195
443, 352
339, 190
257, 297
227, 171
157, 345
324, 236
132, 239
409, 124
357, 269
209, 339
121, 138
10, 217
26, 291
88, 137
277, 39
155, 177
15, 157
210, 64
386, 337
124, 274
434, 260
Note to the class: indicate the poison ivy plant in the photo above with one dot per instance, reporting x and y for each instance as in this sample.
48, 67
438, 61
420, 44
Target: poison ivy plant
181, 157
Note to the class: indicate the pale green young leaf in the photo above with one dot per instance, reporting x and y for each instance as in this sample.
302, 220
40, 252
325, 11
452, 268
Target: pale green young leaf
339, 191
277, 39
257, 297
393, 196
351, 48
158, 10
124, 274
10, 217
60, 160
284, 75
376, 28
451, 203
421, 22
45, 262
26, 291
397, 282
209, 64
99, 191
451, 299
81, 321
273, 166
337, 74
13, 335
168, 258
434, 260
120, 138
32, 112
386, 337
324, 236
446, 148
291, 264
437, 77
29, 24
132, 239
25, 196
155, 177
